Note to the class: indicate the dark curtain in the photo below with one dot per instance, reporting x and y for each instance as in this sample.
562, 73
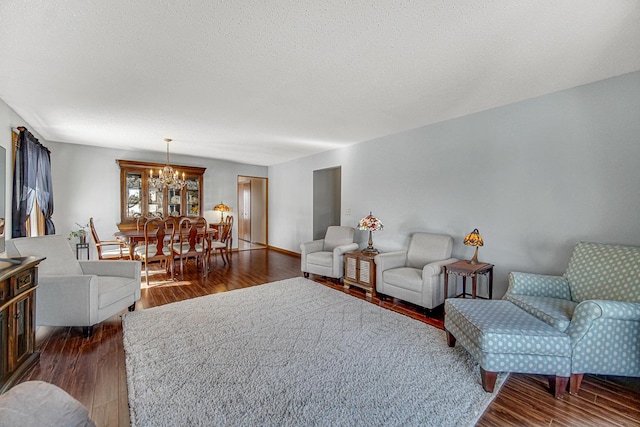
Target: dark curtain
31, 179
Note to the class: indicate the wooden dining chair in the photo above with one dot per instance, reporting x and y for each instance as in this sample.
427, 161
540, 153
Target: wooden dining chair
108, 249
155, 246
189, 240
223, 244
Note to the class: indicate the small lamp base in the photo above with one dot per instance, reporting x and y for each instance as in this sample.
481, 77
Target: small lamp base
474, 260
370, 251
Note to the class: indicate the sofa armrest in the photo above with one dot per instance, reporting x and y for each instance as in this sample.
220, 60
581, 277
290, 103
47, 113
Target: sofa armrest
435, 268
590, 311
311, 247
539, 285
123, 268
66, 300
338, 251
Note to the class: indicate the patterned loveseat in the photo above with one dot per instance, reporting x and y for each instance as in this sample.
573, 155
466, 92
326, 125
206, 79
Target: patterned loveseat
596, 302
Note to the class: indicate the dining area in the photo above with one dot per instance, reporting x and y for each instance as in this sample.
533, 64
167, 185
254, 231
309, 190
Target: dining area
178, 243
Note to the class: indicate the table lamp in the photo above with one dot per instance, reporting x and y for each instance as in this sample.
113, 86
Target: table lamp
474, 239
370, 223
222, 208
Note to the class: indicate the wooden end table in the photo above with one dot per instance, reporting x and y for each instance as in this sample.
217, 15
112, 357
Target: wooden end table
360, 271
466, 269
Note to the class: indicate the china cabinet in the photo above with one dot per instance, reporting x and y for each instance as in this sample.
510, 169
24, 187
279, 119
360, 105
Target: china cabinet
139, 198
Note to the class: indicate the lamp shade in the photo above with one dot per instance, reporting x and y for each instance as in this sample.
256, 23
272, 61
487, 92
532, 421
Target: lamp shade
221, 207
474, 238
370, 223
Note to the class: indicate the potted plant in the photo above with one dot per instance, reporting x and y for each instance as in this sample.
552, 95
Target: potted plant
80, 233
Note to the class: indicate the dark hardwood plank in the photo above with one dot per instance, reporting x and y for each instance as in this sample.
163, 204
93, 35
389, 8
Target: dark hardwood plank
93, 370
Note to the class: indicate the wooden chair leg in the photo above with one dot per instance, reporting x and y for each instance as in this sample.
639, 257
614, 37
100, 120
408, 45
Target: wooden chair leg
558, 385
488, 380
575, 382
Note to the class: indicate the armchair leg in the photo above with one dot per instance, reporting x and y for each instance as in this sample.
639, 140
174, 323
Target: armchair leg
488, 380
305, 274
87, 331
451, 340
575, 382
558, 385
132, 307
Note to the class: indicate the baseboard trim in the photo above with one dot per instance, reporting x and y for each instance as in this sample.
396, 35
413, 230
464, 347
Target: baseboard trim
284, 251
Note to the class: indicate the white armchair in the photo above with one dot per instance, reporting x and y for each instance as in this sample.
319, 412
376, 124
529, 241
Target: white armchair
77, 293
415, 275
324, 257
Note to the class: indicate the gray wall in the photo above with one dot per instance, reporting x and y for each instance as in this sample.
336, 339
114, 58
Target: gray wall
534, 177
86, 183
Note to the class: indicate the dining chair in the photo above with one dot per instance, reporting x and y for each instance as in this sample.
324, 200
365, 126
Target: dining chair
223, 244
109, 249
155, 246
189, 240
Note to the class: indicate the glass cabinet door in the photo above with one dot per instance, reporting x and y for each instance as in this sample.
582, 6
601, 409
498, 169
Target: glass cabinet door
156, 202
193, 197
134, 194
174, 202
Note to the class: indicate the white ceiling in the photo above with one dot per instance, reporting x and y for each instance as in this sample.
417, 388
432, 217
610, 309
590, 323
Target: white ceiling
263, 82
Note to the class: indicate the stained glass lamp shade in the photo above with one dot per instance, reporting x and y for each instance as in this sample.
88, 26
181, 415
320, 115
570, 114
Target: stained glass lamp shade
474, 239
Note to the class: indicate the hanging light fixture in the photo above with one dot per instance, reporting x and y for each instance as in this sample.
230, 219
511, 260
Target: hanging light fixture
167, 177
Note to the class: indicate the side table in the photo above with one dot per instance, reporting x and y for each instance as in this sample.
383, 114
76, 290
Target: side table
465, 269
360, 271
80, 246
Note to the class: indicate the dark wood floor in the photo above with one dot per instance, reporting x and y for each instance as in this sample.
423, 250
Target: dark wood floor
92, 370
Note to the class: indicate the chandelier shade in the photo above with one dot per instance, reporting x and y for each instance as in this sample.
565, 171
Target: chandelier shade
167, 176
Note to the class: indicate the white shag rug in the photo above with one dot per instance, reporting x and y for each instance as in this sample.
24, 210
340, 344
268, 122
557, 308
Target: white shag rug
294, 353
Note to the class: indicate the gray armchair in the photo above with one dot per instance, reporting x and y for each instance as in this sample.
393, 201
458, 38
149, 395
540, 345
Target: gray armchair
324, 257
415, 275
77, 293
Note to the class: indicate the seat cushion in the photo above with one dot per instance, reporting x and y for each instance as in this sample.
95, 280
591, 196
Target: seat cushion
140, 250
504, 338
553, 311
324, 259
404, 277
112, 289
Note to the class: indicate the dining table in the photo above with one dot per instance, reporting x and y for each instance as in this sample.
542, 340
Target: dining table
134, 236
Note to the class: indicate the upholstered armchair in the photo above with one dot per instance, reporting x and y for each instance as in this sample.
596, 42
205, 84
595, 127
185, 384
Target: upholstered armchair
324, 257
415, 275
77, 293
596, 302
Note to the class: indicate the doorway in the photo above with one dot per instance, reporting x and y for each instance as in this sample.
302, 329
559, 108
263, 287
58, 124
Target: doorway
327, 185
252, 213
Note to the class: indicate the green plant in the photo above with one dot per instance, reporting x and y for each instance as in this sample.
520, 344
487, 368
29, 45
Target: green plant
81, 232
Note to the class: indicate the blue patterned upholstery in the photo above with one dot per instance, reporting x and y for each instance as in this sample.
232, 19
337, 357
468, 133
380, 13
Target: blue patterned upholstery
504, 338
597, 303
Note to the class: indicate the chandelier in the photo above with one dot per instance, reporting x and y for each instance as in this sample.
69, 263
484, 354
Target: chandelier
167, 177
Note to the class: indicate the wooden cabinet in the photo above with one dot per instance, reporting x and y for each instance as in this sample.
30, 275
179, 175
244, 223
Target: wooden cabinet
17, 321
360, 271
138, 198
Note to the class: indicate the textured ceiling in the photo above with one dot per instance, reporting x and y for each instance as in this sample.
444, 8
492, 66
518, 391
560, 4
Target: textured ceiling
263, 82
